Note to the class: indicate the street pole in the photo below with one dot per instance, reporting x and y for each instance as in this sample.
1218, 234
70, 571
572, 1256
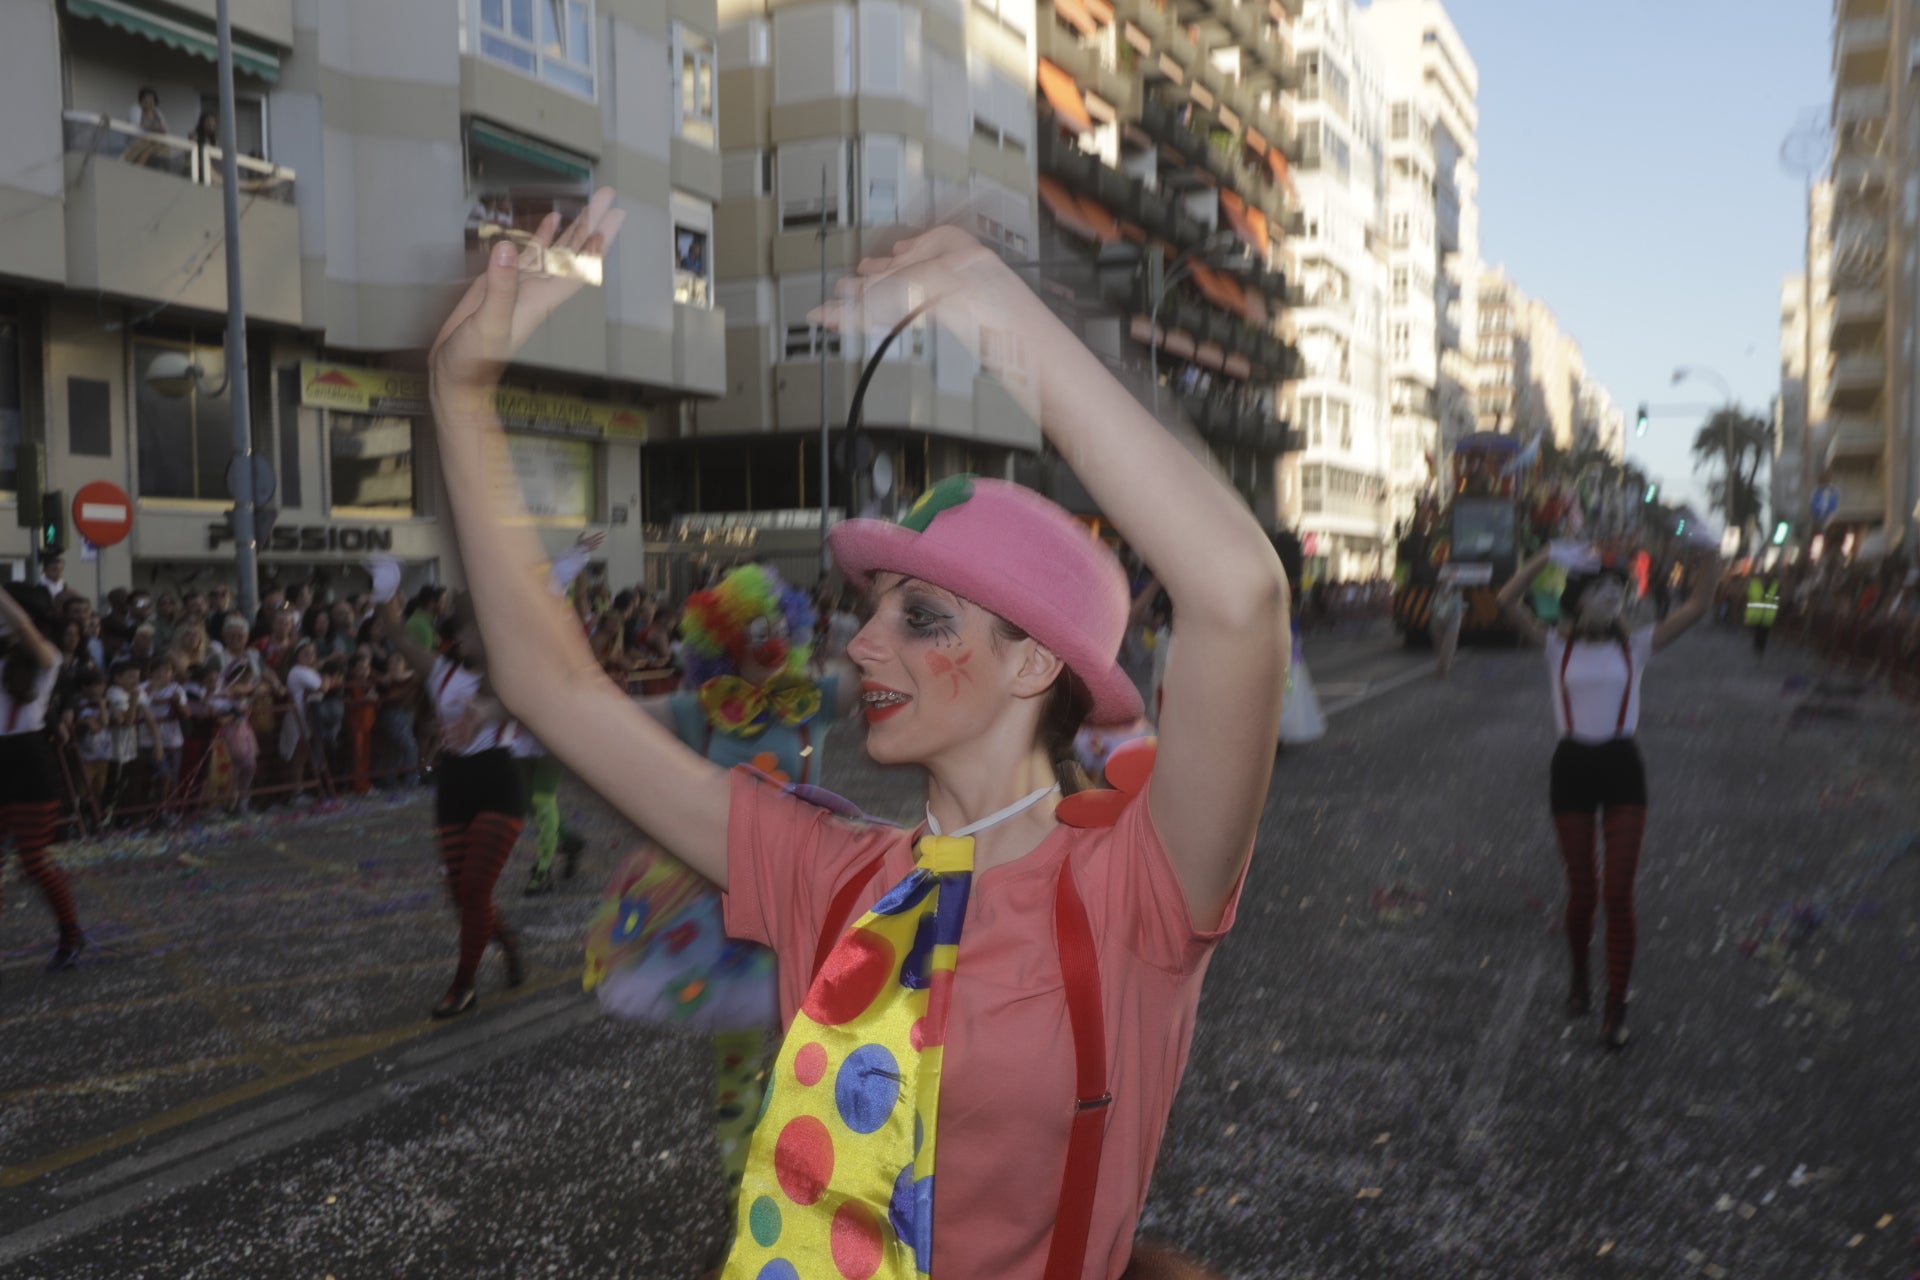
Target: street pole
824, 425
238, 384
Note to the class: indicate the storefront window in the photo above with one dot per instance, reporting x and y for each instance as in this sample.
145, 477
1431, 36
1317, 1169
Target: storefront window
370, 462
185, 443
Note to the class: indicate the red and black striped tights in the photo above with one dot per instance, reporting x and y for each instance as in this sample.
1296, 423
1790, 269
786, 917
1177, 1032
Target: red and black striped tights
31, 827
1623, 827
473, 854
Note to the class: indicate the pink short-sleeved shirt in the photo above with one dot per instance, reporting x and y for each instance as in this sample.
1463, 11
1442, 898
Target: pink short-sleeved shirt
1007, 1087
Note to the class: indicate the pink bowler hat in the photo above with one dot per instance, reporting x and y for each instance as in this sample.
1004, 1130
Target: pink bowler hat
1013, 553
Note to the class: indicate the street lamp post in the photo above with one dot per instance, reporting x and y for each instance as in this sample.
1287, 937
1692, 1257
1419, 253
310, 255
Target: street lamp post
244, 546
1728, 413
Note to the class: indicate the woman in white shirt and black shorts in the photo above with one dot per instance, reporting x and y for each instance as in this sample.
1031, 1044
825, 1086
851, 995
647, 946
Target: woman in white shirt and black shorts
479, 807
1594, 666
30, 786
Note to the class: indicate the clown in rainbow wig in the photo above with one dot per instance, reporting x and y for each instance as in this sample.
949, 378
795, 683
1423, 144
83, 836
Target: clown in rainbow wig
752, 698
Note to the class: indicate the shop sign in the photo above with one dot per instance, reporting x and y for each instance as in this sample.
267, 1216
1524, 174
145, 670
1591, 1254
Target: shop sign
309, 538
346, 389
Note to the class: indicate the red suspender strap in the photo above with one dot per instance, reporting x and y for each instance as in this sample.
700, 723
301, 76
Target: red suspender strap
1626, 694
840, 914
1080, 967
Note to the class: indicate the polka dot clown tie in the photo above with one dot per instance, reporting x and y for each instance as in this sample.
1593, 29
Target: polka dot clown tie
840, 1174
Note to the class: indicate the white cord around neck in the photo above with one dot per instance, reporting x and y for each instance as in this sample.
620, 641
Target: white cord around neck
972, 828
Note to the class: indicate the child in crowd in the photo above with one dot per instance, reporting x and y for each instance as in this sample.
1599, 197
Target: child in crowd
305, 687
326, 717
128, 715
199, 725
168, 703
362, 702
92, 736
232, 701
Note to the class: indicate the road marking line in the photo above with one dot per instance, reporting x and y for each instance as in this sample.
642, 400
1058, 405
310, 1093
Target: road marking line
20, 1174
1388, 685
564, 1015
1487, 1081
186, 1145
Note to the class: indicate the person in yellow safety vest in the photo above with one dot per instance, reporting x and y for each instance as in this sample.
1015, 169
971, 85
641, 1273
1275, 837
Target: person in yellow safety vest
1763, 610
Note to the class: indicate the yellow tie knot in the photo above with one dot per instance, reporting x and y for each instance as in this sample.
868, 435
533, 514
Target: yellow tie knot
944, 855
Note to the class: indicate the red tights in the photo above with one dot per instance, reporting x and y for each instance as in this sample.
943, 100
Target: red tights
32, 827
1623, 826
473, 854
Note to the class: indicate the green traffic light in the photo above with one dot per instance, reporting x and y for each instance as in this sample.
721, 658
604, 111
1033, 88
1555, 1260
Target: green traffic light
1780, 533
1640, 422
1681, 527
1653, 491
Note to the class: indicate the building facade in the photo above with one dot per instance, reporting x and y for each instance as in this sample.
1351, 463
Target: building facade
1533, 379
1869, 433
1800, 417
384, 145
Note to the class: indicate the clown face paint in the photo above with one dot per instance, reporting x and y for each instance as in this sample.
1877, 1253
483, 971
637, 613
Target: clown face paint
766, 643
931, 676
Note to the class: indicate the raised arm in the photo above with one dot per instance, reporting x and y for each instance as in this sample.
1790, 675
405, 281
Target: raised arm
1706, 587
1517, 613
1226, 676
44, 651
538, 659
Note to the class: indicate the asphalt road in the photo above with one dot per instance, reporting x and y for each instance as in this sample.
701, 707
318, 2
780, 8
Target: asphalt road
240, 1081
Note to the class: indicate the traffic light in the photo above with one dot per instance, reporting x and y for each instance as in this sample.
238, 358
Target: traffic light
1681, 527
1781, 532
1640, 422
27, 467
53, 519
1653, 491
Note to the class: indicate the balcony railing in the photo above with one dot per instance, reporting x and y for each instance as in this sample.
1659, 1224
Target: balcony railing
103, 138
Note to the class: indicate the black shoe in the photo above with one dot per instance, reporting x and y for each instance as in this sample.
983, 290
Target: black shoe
1613, 1030
67, 954
541, 881
1579, 1001
455, 1003
571, 847
510, 949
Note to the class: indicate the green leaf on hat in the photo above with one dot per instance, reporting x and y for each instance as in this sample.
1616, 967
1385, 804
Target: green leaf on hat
949, 493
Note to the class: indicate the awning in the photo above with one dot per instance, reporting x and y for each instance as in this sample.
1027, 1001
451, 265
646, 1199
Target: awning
1064, 94
555, 161
188, 37
1076, 15
1221, 290
1277, 161
1240, 218
1258, 221
1105, 228
1065, 209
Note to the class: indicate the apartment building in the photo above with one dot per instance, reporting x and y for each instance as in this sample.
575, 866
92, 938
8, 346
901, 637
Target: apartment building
843, 125
1164, 135
1433, 230
1533, 378
1800, 414
1870, 431
382, 141
1341, 263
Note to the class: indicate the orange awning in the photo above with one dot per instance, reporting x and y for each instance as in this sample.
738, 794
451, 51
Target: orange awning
1077, 16
1064, 94
1277, 161
1065, 209
1101, 10
1106, 230
1221, 290
1258, 221
1240, 218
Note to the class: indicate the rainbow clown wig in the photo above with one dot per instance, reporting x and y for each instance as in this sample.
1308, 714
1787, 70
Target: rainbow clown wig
750, 613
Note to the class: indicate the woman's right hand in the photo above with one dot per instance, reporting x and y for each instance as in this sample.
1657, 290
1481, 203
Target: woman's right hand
512, 298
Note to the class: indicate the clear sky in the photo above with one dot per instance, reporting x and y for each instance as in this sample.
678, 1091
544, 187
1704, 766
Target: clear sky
1630, 178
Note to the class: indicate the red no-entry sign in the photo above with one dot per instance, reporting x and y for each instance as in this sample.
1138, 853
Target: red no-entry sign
102, 513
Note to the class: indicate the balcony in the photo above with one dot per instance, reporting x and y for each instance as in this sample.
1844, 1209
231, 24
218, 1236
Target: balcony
144, 220
1857, 380
1860, 50
1862, 497
1859, 311
1856, 438
1864, 105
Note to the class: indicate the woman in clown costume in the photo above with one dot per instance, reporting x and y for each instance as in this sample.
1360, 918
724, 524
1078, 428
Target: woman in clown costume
988, 1015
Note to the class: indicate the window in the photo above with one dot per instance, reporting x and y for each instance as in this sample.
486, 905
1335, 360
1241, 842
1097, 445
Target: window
370, 462
1402, 341
555, 476
692, 267
816, 184
803, 340
1400, 286
746, 175
184, 444
551, 40
1398, 232
694, 112
1402, 120
515, 181
881, 171
249, 122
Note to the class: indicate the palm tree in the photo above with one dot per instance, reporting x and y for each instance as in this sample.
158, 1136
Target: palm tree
1740, 445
